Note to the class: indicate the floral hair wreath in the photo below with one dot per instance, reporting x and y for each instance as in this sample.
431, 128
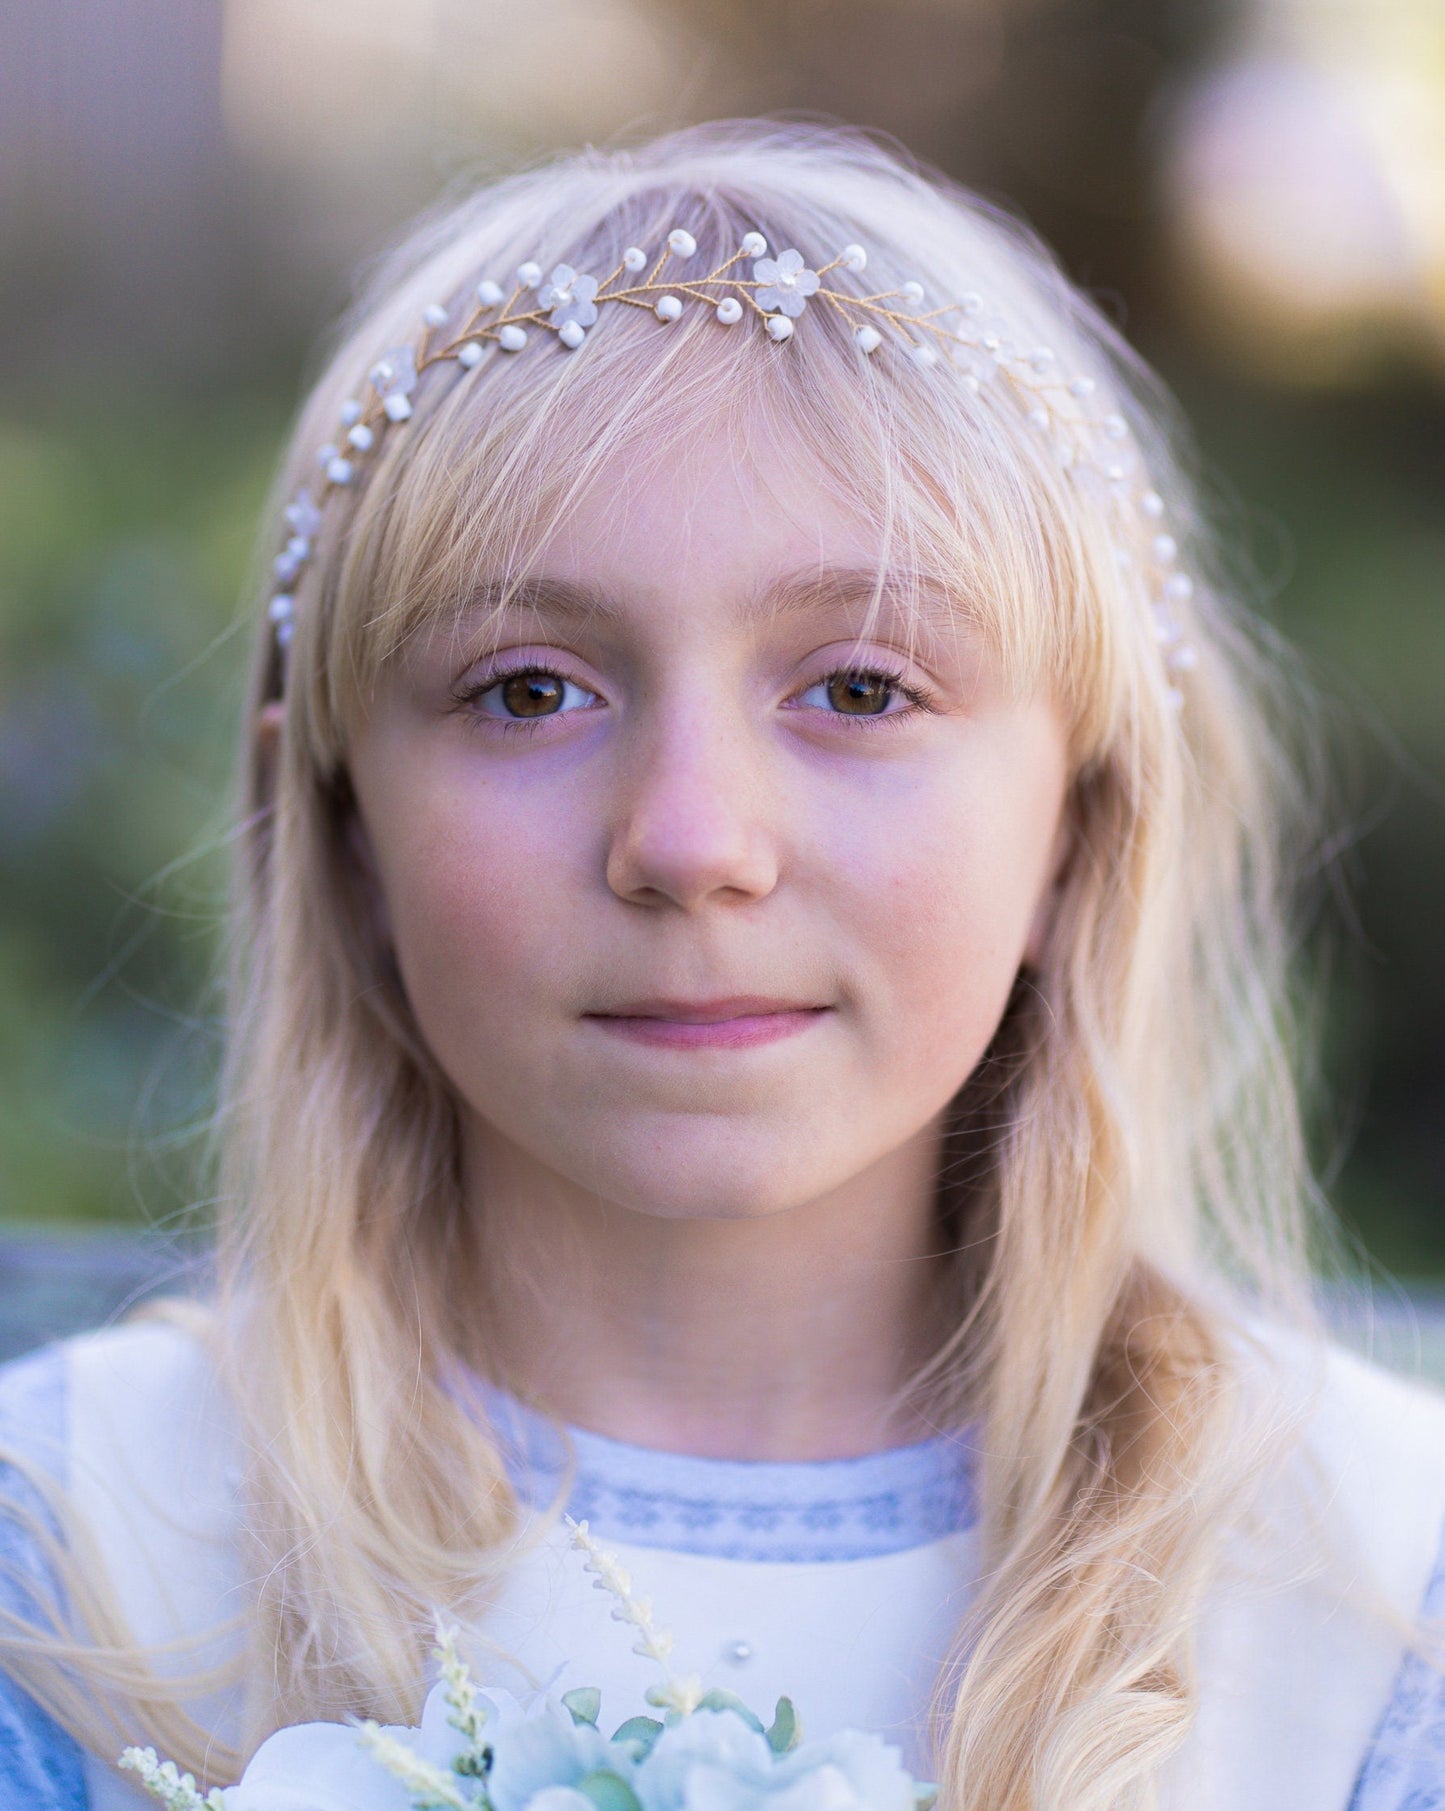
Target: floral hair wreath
566, 304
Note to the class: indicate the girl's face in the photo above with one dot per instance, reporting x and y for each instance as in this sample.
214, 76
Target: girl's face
706, 901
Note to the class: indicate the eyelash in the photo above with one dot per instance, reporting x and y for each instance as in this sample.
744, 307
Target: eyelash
918, 697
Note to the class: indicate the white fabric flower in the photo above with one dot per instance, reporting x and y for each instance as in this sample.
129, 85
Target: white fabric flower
787, 284
569, 296
544, 1751
849, 1771
712, 1758
318, 1767
714, 1761
395, 373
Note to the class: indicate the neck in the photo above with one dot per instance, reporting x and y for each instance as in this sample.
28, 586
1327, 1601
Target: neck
790, 1335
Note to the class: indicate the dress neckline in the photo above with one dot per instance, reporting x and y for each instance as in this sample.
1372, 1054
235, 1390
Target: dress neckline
789, 1510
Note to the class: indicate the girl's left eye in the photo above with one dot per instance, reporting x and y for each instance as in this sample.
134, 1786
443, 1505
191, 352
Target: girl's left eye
527, 695
862, 692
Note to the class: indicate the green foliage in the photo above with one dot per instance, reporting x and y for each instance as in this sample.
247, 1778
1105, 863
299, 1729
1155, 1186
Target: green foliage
608, 1791
718, 1699
640, 1733
584, 1704
786, 1730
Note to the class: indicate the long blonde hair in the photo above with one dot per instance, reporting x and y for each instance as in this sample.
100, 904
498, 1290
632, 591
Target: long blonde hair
1124, 1170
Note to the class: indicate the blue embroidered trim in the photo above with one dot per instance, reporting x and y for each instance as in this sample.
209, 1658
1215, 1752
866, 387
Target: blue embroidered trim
1405, 1768
40, 1765
779, 1511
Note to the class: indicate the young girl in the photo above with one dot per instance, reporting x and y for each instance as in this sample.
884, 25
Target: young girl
758, 1016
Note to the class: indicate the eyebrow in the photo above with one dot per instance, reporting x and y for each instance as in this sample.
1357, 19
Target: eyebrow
808, 591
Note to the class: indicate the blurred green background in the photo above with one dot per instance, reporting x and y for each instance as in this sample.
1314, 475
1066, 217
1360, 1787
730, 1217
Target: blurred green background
1255, 190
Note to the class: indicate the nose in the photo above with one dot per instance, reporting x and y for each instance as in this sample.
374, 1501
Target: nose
693, 824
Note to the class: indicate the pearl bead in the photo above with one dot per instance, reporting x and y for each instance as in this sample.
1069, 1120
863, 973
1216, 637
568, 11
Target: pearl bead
434, 315
1164, 547
281, 607
361, 438
1152, 503
298, 547
1184, 659
754, 245
729, 311
1082, 386
489, 294
512, 338
971, 302
855, 257
529, 275
339, 471
780, 328
1116, 427
397, 406
869, 338
681, 243
1180, 587
1041, 358
1039, 417
737, 1653
325, 454
913, 292
469, 353
924, 355
971, 384
668, 308
571, 334
350, 412
634, 258
284, 632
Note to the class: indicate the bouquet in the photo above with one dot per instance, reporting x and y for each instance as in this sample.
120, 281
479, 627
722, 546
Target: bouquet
480, 1750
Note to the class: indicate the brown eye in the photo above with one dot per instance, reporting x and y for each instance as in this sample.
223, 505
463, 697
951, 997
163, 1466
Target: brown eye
533, 694
860, 694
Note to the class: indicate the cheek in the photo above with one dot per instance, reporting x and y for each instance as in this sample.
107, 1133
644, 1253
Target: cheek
479, 888
944, 905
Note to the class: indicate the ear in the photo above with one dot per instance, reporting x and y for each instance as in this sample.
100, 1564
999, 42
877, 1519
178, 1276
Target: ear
268, 748
1061, 858
357, 843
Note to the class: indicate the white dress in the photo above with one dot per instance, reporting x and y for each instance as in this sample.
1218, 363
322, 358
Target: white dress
1297, 1677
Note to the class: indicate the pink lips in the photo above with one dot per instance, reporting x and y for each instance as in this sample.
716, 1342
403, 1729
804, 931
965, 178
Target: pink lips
730, 1024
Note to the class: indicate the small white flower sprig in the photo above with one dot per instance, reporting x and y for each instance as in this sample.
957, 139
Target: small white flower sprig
165, 1782
1085, 429
484, 1751
682, 1695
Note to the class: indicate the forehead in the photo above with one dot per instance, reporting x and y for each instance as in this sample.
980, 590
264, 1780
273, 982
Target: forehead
719, 506
723, 526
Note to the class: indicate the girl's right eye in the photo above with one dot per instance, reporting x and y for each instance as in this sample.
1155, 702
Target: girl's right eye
526, 695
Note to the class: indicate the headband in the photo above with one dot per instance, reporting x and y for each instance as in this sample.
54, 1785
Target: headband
1086, 432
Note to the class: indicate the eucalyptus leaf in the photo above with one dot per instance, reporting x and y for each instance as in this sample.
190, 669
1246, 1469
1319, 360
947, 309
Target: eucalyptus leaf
641, 1732
608, 1791
787, 1727
585, 1704
718, 1699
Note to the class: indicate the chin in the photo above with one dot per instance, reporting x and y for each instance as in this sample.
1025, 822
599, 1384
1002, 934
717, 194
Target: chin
711, 1184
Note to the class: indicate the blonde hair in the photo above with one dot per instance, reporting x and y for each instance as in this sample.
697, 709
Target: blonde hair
1125, 1170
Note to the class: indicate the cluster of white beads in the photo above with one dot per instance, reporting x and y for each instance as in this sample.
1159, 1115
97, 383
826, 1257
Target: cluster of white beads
1085, 430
